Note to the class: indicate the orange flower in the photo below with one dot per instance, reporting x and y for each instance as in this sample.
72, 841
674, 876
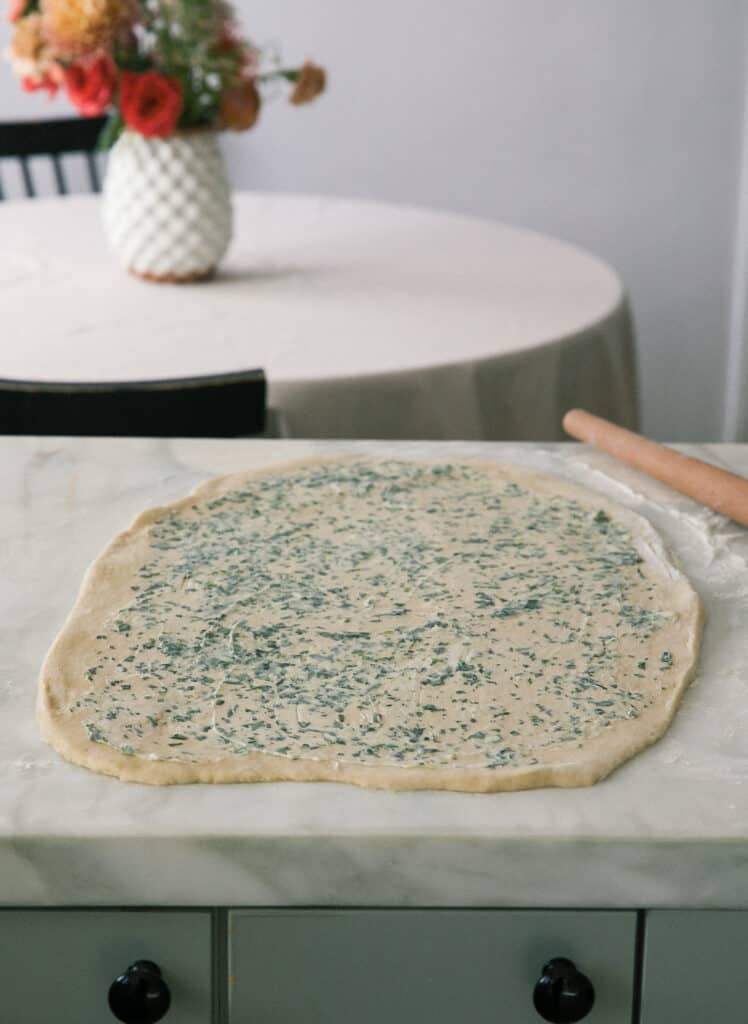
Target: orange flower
44, 81
90, 84
311, 80
240, 107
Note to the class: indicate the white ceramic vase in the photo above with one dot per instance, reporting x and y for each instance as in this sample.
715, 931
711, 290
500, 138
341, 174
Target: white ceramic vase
167, 205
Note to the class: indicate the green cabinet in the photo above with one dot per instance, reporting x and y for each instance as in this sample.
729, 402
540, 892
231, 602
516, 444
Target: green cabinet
314, 966
694, 967
57, 965
404, 966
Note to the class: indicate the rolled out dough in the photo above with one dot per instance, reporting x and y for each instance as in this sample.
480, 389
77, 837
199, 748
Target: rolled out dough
393, 624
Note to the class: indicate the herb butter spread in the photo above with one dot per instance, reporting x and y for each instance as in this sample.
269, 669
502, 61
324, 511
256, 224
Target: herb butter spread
390, 623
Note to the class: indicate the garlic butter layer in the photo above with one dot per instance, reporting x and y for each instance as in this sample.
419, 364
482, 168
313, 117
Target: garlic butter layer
400, 614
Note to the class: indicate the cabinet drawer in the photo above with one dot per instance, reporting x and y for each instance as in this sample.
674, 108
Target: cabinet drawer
694, 966
400, 966
58, 965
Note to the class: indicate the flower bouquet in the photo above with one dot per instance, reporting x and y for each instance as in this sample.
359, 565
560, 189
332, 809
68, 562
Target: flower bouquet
170, 74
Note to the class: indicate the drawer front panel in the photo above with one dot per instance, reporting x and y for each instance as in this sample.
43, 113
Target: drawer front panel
58, 965
694, 967
401, 966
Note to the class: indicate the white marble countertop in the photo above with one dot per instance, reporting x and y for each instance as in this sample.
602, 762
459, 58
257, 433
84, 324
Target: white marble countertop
670, 828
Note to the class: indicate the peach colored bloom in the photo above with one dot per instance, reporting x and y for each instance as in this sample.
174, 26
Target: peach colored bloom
29, 42
32, 57
81, 27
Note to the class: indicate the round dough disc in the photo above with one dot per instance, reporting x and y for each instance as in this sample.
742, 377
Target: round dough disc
394, 624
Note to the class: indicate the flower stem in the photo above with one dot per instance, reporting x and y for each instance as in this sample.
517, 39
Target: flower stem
110, 132
290, 75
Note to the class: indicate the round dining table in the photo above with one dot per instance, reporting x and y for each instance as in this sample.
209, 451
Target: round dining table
369, 320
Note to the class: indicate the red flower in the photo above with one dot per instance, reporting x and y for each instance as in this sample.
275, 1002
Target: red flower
15, 9
45, 82
151, 102
90, 84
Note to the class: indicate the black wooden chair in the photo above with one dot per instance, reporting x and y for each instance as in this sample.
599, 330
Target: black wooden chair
22, 140
229, 405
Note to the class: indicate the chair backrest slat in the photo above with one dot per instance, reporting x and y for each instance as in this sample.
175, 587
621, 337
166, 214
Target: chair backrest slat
24, 139
93, 173
28, 181
62, 188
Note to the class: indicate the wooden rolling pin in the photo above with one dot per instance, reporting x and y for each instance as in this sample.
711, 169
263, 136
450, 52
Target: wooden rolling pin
725, 492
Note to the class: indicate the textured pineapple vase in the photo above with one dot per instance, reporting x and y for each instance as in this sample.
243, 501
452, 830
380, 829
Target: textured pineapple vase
167, 205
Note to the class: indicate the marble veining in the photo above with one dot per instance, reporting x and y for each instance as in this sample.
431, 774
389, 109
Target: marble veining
669, 828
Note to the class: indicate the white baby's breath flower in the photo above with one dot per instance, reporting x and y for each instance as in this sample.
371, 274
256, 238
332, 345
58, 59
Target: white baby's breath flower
146, 40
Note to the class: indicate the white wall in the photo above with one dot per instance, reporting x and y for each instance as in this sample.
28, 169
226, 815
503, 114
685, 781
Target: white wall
616, 124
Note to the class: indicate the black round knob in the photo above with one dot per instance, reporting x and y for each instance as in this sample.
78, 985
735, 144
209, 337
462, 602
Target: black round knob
563, 994
140, 995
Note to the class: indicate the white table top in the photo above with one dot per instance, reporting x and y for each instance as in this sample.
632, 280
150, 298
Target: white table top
311, 289
669, 828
